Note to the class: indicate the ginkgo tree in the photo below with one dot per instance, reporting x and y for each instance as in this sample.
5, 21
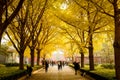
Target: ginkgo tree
35, 15
77, 37
75, 33
5, 15
113, 11
19, 33
47, 35
71, 48
40, 27
46, 38
86, 18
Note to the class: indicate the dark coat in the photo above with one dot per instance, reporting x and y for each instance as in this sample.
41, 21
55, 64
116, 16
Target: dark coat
46, 64
76, 66
29, 70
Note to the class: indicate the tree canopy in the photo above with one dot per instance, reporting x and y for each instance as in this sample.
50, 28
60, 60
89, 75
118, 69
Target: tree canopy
38, 28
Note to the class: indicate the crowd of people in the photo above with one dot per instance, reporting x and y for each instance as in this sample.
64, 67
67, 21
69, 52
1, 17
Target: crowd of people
60, 65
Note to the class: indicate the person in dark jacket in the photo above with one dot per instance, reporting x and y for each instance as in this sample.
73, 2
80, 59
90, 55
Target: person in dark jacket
46, 66
29, 70
76, 67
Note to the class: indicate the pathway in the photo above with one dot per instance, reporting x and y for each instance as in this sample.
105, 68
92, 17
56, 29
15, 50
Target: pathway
66, 73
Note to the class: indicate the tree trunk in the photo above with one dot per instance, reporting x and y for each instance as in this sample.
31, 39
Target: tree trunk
32, 57
91, 59
38, 57
117, 52
0, 37
21, 63
117, 41
82, 60
1, 31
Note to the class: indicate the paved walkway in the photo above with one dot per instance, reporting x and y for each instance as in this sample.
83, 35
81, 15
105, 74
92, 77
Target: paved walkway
66, 73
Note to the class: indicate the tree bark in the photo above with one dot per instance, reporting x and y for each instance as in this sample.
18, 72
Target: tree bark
38, 57
117, 52
91, 58
1, 12
0, 37
117, 39
21, 63
32, 57
82, 60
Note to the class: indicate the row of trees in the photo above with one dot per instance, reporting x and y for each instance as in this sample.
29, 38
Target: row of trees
93, 17
28, 27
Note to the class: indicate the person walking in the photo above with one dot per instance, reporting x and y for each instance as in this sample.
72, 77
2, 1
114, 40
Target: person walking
61, 65
46, 66
58, 65
76, 67
29, 70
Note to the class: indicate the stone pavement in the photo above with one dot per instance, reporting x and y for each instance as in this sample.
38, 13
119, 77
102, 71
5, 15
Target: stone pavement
67, 73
